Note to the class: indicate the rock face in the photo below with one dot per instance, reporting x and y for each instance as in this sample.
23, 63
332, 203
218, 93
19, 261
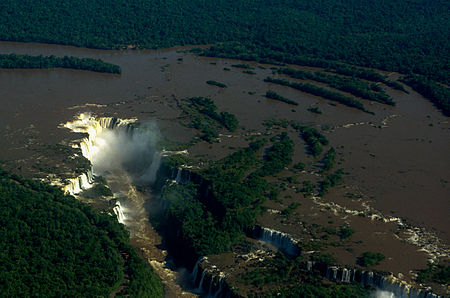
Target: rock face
385, 282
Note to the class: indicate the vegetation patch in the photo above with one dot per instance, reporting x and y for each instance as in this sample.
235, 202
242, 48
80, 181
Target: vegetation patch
351, 85
273, 95
329, 159
439, 273
203, 115
27, 61
322, 92
312, 137
278, 156
218, 84
436, 93
345, 232
315, 110
330, 180
368, 259
245, 66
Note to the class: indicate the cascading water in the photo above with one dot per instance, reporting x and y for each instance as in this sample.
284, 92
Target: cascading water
119, 213
385, 285
125, 156
279, 239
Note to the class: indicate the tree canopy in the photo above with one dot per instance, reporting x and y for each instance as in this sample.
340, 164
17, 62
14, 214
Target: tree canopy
53, 245
406, 36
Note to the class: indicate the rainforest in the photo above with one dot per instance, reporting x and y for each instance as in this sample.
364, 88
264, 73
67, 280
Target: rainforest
224, 149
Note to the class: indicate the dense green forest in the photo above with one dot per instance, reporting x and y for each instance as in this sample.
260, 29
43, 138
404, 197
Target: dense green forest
211, 217
53, 245
402, 35
437, 93
27, 61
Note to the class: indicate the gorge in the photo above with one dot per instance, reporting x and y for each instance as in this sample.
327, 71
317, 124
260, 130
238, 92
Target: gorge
124, 152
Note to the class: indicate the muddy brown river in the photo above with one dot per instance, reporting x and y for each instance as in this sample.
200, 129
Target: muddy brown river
396, 160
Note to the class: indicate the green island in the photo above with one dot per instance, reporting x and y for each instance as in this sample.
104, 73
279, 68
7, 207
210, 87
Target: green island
42, 62
353, 86
215, 83
319, 91
203, 116
275, 96
54, 245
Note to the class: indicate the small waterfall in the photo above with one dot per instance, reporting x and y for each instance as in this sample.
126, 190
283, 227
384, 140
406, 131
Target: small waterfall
200, 285
281, 240
150, 174
221, 281
195, 270
386, 285
178, 177
182, 175
211, 282
119, 212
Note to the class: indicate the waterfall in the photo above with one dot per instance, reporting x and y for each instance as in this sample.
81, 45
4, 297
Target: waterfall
85, 123
281, 240
200, 286
178, 177
119, 213
386, 285
221, 281
195, 270
214, 287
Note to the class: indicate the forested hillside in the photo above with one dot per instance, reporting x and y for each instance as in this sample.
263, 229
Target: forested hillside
53, 245
401, 35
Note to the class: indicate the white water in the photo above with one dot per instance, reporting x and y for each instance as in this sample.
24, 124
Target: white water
386, 285
119, 213
125, 156
281, 240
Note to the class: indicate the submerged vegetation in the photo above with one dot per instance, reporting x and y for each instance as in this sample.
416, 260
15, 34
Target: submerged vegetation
27, 61
54, 245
